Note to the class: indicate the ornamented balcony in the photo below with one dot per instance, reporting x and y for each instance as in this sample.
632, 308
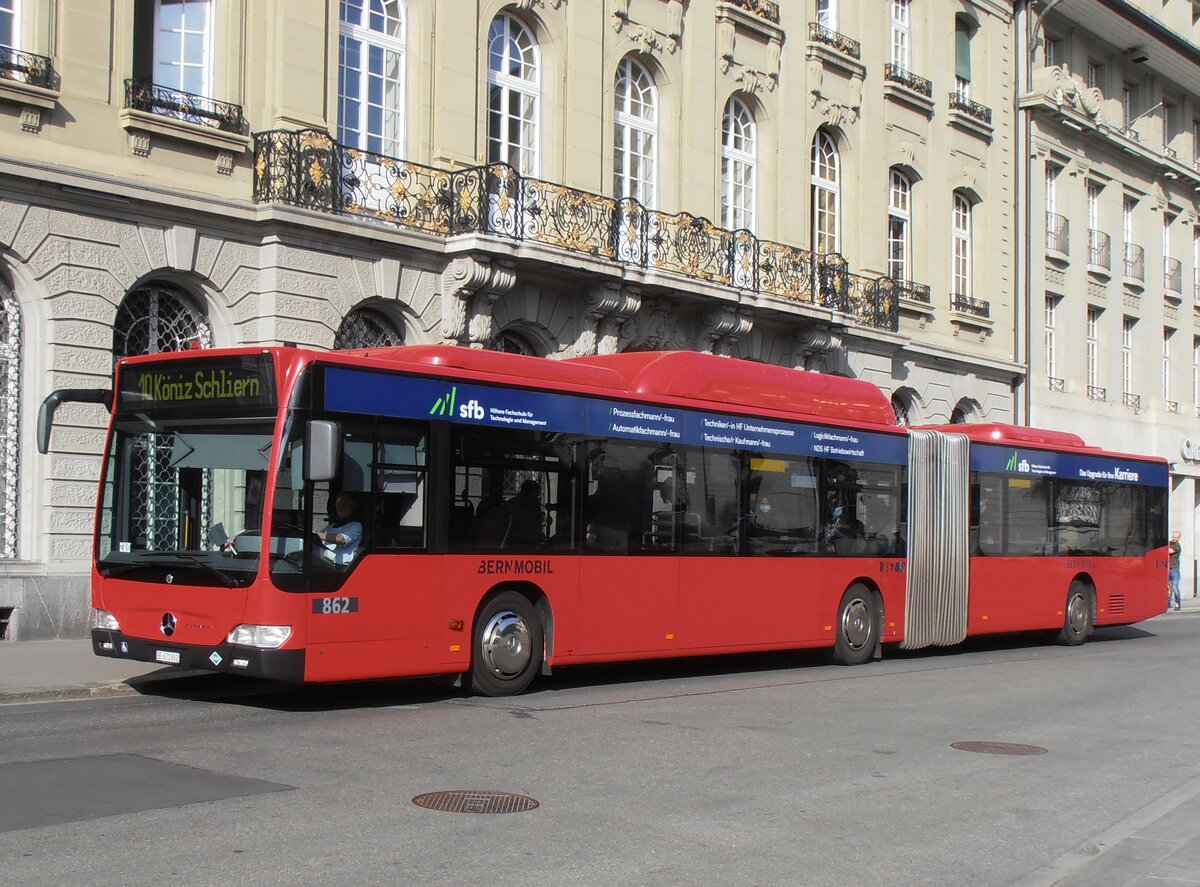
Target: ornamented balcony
896, 74
1095, 392
1133, 401
1135, 262
1172, 275
1058, 234
907, 289
963, 103
1172, 406
188, 107
969, 305
309, 169
818, 33
1099, 250
764, 9
1056, 384
27, 68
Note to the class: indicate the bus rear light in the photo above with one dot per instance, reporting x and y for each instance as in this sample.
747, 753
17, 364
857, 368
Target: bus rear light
265, 637
105, 620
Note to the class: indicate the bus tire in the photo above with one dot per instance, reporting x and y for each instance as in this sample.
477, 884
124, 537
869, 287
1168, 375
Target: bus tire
857, 627
1078, 615
506, 646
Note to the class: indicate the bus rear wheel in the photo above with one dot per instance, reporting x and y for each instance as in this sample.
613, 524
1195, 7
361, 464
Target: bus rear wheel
1077, 615
857, 627
507, 646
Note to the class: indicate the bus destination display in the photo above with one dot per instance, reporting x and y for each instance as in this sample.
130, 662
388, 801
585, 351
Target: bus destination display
241, 383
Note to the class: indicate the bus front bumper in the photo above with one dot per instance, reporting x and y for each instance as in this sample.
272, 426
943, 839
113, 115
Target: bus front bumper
276, 665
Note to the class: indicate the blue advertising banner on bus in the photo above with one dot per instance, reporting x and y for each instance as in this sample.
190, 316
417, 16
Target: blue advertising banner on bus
1022, 461
380, 394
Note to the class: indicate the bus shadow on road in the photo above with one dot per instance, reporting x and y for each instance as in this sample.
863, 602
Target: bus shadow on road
400, 693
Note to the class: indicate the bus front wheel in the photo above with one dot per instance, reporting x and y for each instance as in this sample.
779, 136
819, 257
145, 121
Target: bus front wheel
1077, 615
507, 646
857, 627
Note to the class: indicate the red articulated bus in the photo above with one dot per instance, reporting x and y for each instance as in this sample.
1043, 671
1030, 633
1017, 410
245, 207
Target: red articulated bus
430, 510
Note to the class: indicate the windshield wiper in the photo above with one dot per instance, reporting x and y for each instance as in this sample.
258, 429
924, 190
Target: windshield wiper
226, 579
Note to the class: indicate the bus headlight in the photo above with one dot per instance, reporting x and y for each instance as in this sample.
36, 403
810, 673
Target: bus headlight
105, 620
265, 637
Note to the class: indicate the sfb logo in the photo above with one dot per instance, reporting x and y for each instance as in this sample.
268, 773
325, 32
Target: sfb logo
472, 409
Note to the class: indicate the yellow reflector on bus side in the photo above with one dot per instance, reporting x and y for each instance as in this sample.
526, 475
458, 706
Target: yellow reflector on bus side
757, 463
454, 648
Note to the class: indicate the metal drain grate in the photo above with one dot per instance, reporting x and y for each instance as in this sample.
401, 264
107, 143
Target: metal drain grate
999, 748
475, 802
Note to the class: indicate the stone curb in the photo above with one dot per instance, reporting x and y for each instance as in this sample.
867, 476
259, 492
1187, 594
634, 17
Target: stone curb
67, 694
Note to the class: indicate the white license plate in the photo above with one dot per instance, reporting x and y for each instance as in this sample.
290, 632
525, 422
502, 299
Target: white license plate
171, 657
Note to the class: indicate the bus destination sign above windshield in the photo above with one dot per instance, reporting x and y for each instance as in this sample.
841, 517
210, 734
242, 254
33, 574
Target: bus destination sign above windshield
241, 383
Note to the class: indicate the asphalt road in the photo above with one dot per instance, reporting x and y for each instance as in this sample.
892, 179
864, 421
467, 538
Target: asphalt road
759, 770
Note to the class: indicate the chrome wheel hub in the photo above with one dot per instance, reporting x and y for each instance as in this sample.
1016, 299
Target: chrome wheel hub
856, 624
505, 644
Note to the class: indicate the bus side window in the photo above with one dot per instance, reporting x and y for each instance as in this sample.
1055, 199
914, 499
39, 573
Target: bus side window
400, 486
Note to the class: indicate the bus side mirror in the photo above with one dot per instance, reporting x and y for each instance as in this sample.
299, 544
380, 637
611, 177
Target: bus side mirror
56, 399
322, 449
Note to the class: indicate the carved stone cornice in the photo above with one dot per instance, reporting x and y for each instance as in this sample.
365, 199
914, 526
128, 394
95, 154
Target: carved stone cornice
651, 327
470, 287
607, 306
649, 39
816, 346
722, 326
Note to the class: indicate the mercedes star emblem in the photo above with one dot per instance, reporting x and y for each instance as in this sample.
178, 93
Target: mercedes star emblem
168, 624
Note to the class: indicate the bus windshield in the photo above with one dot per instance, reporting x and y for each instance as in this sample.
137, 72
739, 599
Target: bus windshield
184, 495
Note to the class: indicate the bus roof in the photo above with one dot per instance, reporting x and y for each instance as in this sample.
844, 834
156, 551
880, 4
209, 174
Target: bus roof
1000, 433
731, 382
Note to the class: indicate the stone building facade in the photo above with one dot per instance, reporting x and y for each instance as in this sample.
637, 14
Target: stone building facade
1112, 103
791, 183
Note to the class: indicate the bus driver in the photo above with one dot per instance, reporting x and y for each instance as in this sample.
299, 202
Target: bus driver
340, 537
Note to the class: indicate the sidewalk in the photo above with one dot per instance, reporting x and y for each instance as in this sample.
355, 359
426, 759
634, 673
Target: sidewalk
32, 671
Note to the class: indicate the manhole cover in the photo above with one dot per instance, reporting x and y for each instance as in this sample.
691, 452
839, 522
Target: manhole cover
999, 748
475, 802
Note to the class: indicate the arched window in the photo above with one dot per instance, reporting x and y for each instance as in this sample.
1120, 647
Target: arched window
899, 225
512, 342
514, 93
902, 407
10, 419
371, 76
158, 317
635, 139
964, 31
738, 161
367, 328
960, 284
8, 24
153, 318
901, 34
827, 14
825, 195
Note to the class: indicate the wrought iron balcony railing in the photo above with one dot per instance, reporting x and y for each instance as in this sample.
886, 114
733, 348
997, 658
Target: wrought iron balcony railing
1058, 233
1172, 406
764, 9
1172, 275
1133, 401
818, 33
310, 169
1057, 384
1196, 285
969, 305
1095, 392
1099, 250
188, 107
1135, 262
961, 102
896, 74
26, 67
909, 290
